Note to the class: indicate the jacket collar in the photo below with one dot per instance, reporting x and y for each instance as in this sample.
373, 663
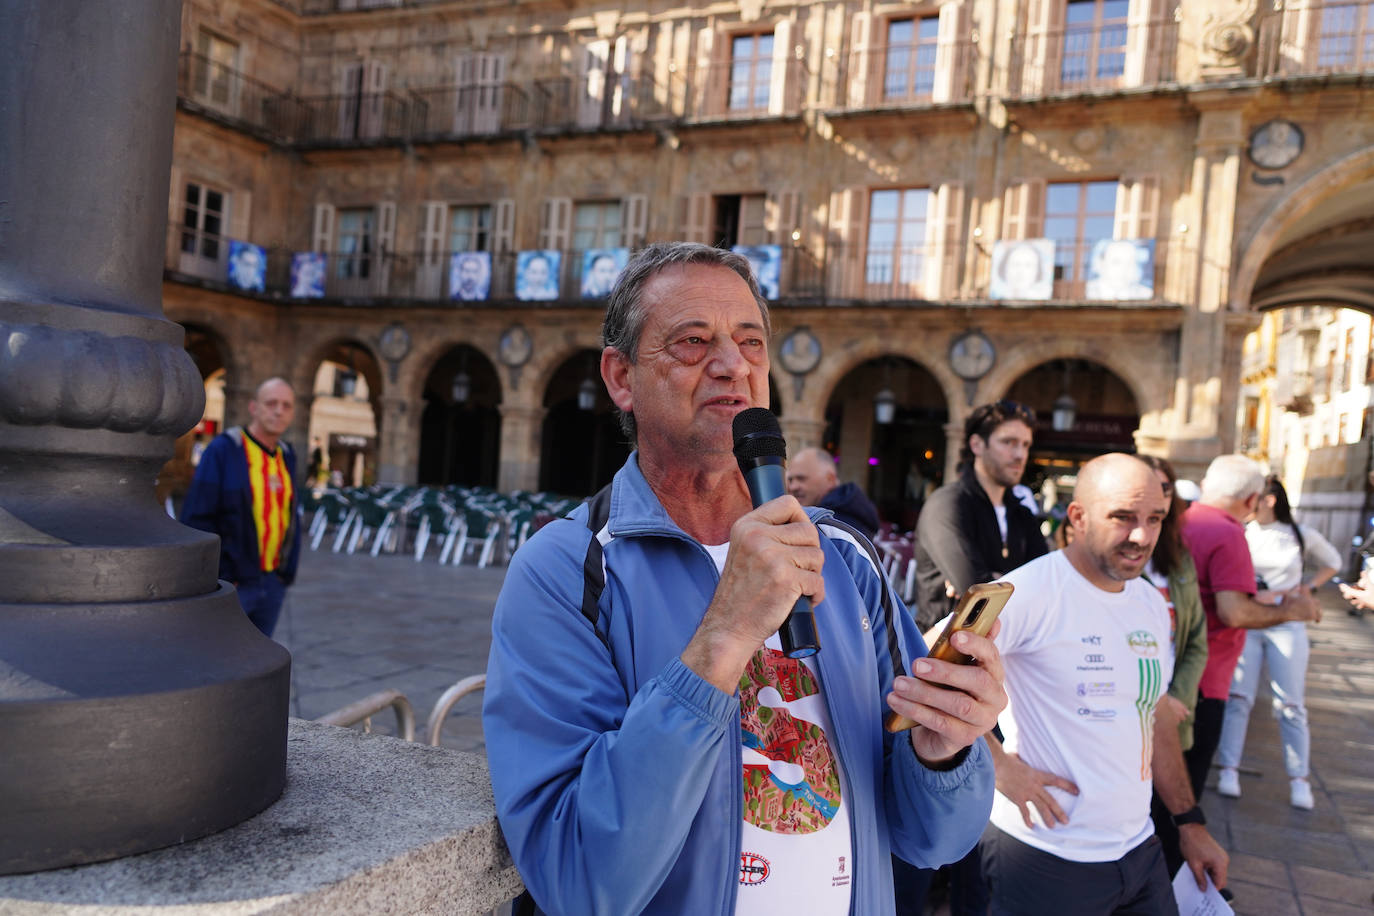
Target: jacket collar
636, 510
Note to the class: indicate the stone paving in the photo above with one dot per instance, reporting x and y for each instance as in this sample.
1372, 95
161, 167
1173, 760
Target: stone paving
357, 624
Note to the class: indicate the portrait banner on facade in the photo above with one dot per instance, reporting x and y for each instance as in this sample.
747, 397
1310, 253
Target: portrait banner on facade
1022, 269
247, 266
766, 260
307, 274
1121, 269
536, 274
601, 267
469, 275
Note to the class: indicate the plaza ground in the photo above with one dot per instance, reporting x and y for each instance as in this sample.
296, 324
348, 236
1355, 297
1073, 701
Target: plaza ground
359, 624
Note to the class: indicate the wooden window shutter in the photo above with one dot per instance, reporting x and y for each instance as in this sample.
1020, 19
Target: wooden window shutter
1143, 42
945, 220
557, 223
694, 218
845, 252
782, 215
783, 76
503, 225
710, 81
433, 214
635, 210
952, 54
386, 242
323, 237
861, 63
1137, 208
1023, 215
1043, 45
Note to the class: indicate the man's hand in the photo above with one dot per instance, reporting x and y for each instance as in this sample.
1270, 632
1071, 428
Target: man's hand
952, 705
1203, 854
1300, 605
1361, 597
775, 557
1177, 708
1023, 784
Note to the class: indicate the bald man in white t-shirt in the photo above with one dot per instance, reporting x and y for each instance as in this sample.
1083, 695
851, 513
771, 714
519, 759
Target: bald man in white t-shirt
1088, 655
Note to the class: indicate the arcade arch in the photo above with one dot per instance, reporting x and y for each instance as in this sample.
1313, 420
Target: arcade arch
896, 454
342, 385
460, 422
1104, 414
581, 445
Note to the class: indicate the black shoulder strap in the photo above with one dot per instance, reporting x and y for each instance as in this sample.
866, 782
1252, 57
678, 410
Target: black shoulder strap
889, 610
593, 570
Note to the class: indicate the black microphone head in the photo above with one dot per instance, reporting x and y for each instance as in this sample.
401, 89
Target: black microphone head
757, 435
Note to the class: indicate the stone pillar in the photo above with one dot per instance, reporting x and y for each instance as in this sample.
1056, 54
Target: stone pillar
398, 442
954, 444
138, 706
1201, 431
521, 433
856, 440
802, 432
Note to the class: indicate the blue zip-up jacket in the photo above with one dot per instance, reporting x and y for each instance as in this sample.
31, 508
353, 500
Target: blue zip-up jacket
617, 770
220, 501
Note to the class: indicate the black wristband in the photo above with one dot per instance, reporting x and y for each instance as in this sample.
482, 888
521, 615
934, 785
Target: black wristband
1193, 815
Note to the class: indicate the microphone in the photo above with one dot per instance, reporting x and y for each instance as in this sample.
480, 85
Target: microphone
761, 452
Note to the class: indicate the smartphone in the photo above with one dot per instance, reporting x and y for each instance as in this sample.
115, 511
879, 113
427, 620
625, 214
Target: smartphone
976, 612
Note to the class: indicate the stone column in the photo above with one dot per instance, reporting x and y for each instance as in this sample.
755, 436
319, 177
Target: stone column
521, 433
802, 432
954, 443
138, 706
398, 446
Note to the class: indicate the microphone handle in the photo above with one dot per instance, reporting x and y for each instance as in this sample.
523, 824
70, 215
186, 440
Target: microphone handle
798, 632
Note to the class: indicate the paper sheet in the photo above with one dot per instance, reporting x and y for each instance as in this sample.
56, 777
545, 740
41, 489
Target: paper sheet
1193, 902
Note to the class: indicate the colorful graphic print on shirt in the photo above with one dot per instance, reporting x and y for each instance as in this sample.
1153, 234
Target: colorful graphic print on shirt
808, 802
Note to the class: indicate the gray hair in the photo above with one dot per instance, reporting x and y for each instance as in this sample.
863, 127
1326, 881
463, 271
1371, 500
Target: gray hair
625, 311
1232, 477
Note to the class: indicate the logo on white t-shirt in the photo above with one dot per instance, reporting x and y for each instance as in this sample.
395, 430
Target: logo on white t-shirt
753, 868
1143, 642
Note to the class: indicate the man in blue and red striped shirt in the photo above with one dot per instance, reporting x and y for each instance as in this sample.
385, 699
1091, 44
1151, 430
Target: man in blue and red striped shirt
244, 491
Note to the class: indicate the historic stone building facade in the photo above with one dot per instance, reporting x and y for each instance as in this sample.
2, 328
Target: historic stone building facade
941, 181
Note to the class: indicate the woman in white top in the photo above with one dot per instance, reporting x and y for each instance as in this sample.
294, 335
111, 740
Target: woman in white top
1278, 546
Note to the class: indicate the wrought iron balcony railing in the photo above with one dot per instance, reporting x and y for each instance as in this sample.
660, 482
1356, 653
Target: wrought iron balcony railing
1317, 39
209, 87
1092, 59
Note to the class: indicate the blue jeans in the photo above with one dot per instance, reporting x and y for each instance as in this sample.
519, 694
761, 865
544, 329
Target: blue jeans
1284, 648
262, 601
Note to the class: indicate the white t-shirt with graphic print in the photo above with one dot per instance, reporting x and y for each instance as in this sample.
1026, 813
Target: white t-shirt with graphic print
795, 847
1084, 670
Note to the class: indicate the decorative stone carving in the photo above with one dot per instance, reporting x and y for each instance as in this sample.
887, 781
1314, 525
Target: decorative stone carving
750, 10
124, 384
1227, 42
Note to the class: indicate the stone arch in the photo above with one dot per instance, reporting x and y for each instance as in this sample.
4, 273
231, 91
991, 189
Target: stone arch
1351, 170
1022, 358
832, 371
457, 442
350, 437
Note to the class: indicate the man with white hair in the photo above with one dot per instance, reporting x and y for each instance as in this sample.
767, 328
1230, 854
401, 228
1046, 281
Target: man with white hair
1214, 529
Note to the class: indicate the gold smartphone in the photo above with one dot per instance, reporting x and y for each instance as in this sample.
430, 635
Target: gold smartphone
976, 612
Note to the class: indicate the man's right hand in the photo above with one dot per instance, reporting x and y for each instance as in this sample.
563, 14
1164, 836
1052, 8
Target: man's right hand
1024, 785
1300, 604
775, 557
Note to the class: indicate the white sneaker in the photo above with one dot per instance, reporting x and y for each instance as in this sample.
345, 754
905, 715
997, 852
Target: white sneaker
1300, 794
1228, 782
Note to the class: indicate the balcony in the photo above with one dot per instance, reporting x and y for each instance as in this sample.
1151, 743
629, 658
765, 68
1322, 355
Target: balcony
211, 89
1082, 59
907, 76
1316, 39
734, 91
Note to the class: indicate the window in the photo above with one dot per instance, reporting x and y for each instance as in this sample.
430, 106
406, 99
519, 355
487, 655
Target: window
202, 223
897, 236
1094, 43
478, 100
751, 72
1077, 214
215, 73
469, 229
740, 220
1346, 37
911, 53
354, 260
596, 224
1348, 360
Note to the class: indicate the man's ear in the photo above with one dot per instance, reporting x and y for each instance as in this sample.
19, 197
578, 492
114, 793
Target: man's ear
1075, 514
615, 372
976, 444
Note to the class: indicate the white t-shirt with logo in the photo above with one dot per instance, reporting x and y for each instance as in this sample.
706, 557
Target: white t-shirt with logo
1084, 670
795, 846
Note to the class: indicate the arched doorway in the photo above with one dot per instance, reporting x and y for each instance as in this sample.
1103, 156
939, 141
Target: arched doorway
460, 426
885, 423
1096, 414
582, 446
343, 425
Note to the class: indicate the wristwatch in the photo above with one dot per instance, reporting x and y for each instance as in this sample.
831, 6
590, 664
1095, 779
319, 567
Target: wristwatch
1193, 815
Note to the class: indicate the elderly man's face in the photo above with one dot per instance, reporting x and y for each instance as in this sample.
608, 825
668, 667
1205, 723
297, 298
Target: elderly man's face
537, 272
273, 408
469, 273
703, 358
809, 478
